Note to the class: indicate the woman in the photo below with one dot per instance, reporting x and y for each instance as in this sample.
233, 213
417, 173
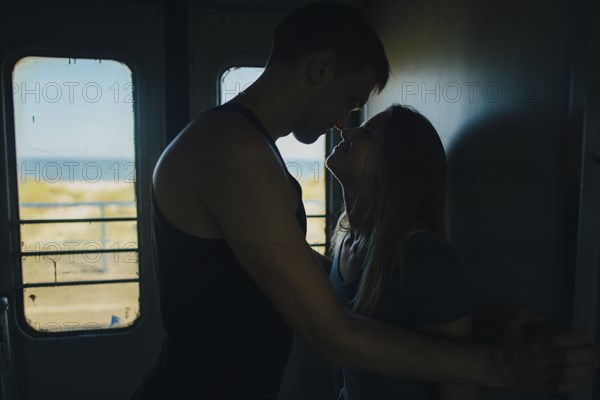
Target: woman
391, 261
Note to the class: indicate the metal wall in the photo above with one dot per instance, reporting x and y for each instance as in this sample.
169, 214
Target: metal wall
507, 86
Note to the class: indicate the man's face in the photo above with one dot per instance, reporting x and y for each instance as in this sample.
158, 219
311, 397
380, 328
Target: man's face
332, 104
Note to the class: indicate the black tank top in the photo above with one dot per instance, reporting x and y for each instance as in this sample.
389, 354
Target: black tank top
225, 339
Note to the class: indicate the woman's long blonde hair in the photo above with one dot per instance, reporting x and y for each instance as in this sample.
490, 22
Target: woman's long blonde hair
410, 197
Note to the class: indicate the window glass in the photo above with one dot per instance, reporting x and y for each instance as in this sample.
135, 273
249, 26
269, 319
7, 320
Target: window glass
75, 172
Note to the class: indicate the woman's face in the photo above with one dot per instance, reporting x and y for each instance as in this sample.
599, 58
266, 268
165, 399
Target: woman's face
354, 160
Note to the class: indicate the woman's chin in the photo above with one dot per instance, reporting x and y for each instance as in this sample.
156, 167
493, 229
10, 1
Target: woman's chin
335, 173
330, 164
337, 166
328, 161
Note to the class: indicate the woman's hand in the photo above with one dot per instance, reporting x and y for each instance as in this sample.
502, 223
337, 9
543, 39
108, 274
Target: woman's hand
534, 356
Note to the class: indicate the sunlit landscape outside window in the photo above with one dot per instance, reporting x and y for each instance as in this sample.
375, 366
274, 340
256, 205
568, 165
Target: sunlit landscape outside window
75, 173
305, 162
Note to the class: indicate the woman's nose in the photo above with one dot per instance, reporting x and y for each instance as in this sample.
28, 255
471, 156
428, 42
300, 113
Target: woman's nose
348, 134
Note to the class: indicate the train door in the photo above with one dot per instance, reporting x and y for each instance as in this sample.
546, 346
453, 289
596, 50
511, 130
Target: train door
83, 123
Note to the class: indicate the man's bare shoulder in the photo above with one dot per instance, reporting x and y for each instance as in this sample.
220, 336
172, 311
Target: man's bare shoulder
213, 150
215, 137
215, 129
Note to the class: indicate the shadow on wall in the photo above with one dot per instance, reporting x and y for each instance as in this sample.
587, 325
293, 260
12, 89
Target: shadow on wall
505, 220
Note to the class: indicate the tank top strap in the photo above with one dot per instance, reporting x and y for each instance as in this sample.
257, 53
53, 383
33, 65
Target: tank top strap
253, 120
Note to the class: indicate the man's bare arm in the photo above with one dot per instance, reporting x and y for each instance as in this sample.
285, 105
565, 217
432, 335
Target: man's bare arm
324, 261
256, 218
459, 329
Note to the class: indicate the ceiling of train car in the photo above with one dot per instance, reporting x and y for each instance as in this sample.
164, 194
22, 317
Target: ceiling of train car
263, 3
212, 3
286, 4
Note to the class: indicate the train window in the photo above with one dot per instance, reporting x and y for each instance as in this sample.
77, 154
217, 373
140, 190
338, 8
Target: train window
305, 162
75, 180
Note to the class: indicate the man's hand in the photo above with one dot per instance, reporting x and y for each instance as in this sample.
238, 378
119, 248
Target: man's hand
534, 356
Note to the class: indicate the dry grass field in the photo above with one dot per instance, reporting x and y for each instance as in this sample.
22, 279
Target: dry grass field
94, 306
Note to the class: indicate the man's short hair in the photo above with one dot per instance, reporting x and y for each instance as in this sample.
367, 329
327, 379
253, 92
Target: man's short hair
335, 26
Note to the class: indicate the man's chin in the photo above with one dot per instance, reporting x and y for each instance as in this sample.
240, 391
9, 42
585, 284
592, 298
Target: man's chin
307, 137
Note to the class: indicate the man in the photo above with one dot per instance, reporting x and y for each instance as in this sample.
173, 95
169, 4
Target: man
236, 273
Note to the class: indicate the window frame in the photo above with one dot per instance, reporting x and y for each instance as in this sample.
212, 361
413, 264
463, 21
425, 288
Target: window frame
9, 212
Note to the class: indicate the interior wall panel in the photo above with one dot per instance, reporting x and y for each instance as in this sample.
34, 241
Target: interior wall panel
495, 79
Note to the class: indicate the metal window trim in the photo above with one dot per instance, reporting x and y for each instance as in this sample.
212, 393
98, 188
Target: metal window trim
9, 232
